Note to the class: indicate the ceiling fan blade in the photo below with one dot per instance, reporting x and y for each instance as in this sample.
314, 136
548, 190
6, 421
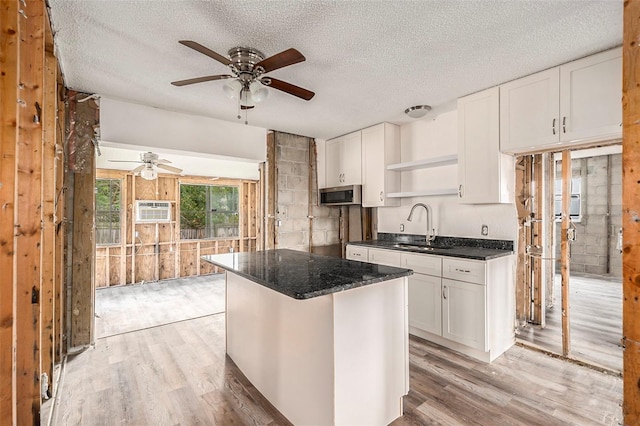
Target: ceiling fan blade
206, 51
247, 107
282, 59
162, 161
125, 161
200, 79
291, 89
139, 168
170, 168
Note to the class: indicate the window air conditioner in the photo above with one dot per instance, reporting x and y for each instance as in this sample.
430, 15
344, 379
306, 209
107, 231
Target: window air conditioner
153, 211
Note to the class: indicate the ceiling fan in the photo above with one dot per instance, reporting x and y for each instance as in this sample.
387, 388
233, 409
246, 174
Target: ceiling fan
149, 162
248, 66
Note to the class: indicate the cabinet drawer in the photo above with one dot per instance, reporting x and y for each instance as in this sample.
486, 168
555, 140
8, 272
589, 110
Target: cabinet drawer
464, 270
384, 257
422, 263
357, 253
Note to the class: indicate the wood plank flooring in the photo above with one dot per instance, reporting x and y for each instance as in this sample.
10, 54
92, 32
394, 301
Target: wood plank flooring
178, 374
128, 308
595, 319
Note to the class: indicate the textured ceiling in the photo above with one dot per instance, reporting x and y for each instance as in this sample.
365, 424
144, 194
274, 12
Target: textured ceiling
366, 60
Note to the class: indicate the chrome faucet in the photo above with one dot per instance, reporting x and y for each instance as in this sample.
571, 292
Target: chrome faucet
430, 235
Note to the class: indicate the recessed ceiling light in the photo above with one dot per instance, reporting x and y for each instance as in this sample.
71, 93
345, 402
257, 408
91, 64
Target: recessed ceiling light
417, 111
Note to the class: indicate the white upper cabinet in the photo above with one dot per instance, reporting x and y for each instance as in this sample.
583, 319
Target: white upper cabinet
485, 175
380, 147
591, 97
575, 103
343, 160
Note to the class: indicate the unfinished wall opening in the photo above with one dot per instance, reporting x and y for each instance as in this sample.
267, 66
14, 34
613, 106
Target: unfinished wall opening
588, 325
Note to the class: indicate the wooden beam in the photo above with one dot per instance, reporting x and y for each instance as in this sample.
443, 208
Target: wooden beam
272, 176
537, 237
83, 247
9, 28
564, 250
60, 225
631, 211
28, 213
48, 209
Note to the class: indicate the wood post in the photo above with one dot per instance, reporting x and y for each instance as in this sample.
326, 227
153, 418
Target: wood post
564, 249
48, 301
631, 212
82, 166
536, 241
9, 30
28, 212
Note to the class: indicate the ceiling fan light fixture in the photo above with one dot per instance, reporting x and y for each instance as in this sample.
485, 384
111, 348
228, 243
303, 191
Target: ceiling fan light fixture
417, 111
246, 99
148, 173
258, 92
232, 89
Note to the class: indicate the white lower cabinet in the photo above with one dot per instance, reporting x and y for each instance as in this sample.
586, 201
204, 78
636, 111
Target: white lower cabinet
464, 313
462, 304
425, 309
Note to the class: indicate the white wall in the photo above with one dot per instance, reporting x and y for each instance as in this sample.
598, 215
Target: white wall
131, 124
434, 137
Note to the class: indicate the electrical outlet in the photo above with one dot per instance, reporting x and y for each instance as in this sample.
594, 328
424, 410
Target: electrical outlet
485, 230
137, 234
402, 227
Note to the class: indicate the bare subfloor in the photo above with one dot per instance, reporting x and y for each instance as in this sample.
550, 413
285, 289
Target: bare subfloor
595, 318
179, 374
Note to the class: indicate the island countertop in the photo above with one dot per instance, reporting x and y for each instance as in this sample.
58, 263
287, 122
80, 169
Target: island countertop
303, 275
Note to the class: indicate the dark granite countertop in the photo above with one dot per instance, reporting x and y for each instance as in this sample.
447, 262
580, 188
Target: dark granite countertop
303, 275
467, 248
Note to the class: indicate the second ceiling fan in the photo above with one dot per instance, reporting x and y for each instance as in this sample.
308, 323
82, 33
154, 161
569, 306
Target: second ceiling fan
248, 66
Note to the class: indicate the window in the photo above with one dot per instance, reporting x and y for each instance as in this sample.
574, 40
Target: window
208, 211
575, 211
108, 211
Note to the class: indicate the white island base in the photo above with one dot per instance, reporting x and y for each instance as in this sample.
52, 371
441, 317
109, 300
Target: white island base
341, 358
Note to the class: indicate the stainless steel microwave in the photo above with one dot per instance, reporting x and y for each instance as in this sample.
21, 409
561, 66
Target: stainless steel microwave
341, 195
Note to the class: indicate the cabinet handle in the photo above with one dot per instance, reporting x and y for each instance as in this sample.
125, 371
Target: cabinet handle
460, 191
553, 126
463, 270
381, 197
444, 292
564, 124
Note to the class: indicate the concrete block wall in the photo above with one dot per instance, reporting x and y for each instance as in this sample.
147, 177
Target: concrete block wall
294, 227
594, 250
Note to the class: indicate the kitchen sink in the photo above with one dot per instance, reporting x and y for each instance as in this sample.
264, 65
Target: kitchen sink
421, 247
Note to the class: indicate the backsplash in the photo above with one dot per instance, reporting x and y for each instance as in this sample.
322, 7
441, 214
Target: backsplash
449, 241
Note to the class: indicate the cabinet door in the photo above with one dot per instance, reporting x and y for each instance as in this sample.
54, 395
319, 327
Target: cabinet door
373, 166
380, 147
425, 303
529, 112
590, 98
352, 159
464, 313
333, 162
485, 175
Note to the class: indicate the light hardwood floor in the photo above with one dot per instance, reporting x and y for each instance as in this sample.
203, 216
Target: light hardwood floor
179, 374
595, 318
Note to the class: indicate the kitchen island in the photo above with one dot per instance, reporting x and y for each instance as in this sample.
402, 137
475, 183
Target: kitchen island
324, 339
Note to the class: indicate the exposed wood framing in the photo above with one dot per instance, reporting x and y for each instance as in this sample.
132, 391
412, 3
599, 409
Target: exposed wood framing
564, 249
48, 293
158, 252
82, 166
28, 213
271, 240
548, 224
60, 224
631, 212
537, 237
8, 135
523, 266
